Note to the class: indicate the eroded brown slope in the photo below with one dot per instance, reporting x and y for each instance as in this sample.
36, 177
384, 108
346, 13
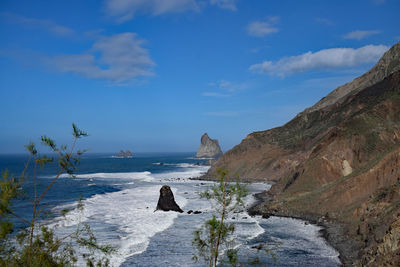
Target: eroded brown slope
338, 161
352, 175
275, 153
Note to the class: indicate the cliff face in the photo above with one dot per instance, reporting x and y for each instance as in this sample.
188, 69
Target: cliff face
339, 159
209, 148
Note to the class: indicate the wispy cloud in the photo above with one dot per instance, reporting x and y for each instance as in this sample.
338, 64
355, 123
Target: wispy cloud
258, 49
379, 2
121, 58
332, 58
124, 10
223, 84
48, 25
225, 88
358, 35
225, 4
324, 21
222, 113
263, 27
118, 58
215, 94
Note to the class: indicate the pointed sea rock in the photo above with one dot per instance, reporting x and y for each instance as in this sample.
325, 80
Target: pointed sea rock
166, 202
209, 148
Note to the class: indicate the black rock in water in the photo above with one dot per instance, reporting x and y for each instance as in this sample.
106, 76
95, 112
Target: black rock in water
166, 202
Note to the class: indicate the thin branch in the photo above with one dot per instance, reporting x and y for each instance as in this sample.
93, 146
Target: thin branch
49, 186
72, 147
18, 217
26, 165
35, 202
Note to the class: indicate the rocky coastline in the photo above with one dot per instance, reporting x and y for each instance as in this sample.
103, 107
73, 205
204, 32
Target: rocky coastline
336, 163
334, 232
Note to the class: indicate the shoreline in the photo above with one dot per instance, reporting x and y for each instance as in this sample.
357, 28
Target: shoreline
333, 232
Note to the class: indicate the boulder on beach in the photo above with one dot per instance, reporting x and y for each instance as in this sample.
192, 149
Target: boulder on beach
166, 202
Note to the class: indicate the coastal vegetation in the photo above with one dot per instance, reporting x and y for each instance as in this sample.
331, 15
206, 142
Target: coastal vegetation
36, 244
216, 234
214, 240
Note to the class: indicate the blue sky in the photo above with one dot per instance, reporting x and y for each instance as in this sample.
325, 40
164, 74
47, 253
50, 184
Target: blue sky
154, 75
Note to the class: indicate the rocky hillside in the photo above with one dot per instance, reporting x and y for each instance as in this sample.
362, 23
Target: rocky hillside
339, 159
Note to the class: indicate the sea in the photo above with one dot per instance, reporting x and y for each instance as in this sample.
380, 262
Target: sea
120, 196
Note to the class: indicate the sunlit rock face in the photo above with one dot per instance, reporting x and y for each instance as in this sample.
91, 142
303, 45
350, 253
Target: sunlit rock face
209, 148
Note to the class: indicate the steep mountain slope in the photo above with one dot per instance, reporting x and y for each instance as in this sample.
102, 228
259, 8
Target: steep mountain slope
388, 64
339, 159
271, 154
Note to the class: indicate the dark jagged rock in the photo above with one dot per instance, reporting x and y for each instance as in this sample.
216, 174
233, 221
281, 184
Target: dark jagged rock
209, 148
190, 212
258, 247
166, 202
197, 212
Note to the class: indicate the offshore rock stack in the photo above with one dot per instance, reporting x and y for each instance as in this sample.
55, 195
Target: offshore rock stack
209, 148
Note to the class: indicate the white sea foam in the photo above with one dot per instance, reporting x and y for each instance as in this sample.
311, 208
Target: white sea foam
144, 176
184, 174
199, 158
188, 171
181, 165
126, 219
306, 236
247, 227
131, 212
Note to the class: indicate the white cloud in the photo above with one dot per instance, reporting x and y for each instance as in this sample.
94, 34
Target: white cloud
225, 4
48, 25
215, 94
358, 35
223, 84
332, 58
263, 28
121, 58
124, 10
